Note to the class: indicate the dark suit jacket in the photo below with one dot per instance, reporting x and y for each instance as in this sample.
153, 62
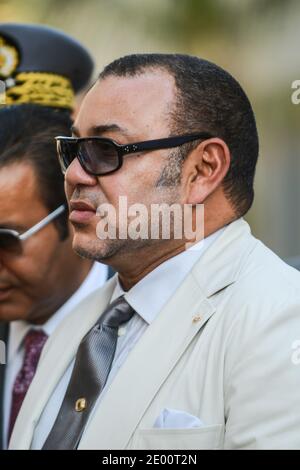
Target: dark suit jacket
3, 337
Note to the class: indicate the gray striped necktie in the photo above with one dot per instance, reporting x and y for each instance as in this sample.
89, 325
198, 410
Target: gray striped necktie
92, 366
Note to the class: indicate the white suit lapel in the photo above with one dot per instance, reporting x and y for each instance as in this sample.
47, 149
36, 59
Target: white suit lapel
56, 359
216, 269
177, 323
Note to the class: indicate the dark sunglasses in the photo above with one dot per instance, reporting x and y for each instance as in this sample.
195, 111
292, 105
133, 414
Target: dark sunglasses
99, 156
11, 240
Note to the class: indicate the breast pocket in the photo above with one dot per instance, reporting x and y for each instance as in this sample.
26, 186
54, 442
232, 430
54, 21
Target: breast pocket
206, 437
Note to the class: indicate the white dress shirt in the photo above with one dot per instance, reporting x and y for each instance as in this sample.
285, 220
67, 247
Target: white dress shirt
18, 330
147, 298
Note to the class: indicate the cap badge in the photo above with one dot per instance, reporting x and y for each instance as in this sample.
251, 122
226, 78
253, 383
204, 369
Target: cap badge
8, 58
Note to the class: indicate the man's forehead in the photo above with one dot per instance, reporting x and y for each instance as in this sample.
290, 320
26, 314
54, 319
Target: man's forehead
20, 201
126, 102
18, 184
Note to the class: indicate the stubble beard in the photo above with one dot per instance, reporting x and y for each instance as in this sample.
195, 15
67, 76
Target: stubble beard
102, 250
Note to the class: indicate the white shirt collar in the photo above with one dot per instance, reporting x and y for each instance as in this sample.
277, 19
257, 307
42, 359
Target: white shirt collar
152, 292
18, 329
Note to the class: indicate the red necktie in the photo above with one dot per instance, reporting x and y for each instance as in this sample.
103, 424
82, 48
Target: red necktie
33, 344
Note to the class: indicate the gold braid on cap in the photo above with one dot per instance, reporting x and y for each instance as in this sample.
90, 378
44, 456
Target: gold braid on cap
46, 89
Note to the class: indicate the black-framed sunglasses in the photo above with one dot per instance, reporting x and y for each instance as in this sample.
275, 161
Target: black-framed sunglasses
100, 156
11, 240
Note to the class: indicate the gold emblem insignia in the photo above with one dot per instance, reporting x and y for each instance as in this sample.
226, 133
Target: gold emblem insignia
80, 404
8, 58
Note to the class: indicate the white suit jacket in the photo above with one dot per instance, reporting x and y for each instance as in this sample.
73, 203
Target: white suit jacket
221, 350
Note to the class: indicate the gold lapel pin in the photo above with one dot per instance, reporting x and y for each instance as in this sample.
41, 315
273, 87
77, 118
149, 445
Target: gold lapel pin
196, 318
80, 404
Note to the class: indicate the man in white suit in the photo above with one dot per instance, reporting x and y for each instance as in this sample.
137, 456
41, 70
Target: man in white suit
197, 348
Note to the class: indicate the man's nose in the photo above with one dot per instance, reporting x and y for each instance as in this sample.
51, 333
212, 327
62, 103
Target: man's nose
76, 175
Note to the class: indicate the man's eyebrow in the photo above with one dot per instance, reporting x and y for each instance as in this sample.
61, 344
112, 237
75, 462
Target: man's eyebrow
11, 226
101, 129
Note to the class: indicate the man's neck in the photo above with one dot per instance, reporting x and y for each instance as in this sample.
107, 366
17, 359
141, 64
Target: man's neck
129, 277
135, 266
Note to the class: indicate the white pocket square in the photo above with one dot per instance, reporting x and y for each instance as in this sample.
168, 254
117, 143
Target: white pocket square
170, 418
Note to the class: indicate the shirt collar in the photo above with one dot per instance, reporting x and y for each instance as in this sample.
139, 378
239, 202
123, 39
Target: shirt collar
18, 329
95, 279
151, 293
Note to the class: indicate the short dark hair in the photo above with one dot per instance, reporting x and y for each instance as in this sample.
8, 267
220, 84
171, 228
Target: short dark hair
208, 99
27, 135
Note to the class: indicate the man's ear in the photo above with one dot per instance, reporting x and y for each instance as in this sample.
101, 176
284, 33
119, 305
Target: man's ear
204, 170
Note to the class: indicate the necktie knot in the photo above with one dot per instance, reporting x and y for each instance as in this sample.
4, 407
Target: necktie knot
117, 313
34, 342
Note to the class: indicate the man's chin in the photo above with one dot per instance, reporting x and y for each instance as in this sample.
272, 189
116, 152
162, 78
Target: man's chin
10, 313
97, 250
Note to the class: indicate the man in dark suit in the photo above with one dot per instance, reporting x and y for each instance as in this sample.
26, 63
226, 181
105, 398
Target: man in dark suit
41, 278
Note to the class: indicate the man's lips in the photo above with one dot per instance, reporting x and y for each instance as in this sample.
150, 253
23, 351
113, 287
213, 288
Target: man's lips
81, 211
5, 291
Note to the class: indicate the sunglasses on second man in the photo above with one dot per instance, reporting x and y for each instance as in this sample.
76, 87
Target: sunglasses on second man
100, 156
11, 240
